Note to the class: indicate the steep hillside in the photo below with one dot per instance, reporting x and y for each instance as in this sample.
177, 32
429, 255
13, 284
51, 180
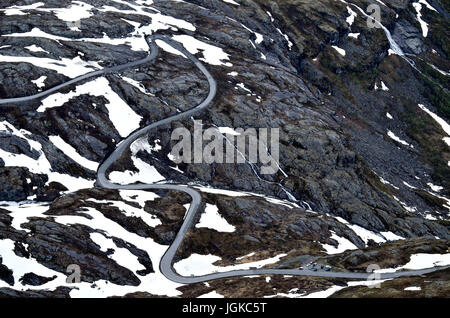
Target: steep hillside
363, 114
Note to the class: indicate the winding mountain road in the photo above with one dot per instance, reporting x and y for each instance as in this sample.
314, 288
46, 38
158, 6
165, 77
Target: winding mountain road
166, 263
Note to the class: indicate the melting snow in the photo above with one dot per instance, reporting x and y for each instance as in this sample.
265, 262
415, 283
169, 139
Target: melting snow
136, 40
391, 236
145, 174
40, 82
168, 48
213, 220
324, 293
131, 211
231, 1
138, 196
212, 294
343, 245
328, 292
68, 67
242, 85
158, 20
136, 84
211, 54
18, 10
340, 51
423, 24
223, 192
22, 211
143, 144
290, 44
351, 18
435, 187
230, 193
245, 256
35, 48
154, 283
413, 288
71, 152
405, 206
397, 139
125, 120
424, 2
76, 11
440, 121
388, 183
228, 131
121, 256
197, 264
363, 233
421, 261
40, 165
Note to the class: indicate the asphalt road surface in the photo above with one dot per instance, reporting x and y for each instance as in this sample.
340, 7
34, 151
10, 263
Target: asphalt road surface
166, 264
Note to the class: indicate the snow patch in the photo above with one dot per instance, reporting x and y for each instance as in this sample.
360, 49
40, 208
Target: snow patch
35, 48
136, 84
131, 211
397, 139
423, 24
121, 256
19, 10
71, 152
421, 261
445, 127
340, 51
65, 66
351, 18
391, 236
124, 119
343, 245
40, 82
40, 165
363, 233
213, 220
435, 187
198, 265
413, 288
231, 1
146, 174
211, 54
213, 294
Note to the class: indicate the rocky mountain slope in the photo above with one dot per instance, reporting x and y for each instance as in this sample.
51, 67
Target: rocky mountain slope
364, 144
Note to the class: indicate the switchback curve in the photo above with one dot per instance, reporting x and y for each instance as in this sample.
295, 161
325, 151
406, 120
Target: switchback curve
166, 263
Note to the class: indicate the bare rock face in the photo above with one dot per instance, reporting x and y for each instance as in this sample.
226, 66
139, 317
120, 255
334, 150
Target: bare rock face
58, 246
6, 274
409, 38
35, 280
284, 67
434, 285
50, 192
17, 184
60, 292
392, 255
